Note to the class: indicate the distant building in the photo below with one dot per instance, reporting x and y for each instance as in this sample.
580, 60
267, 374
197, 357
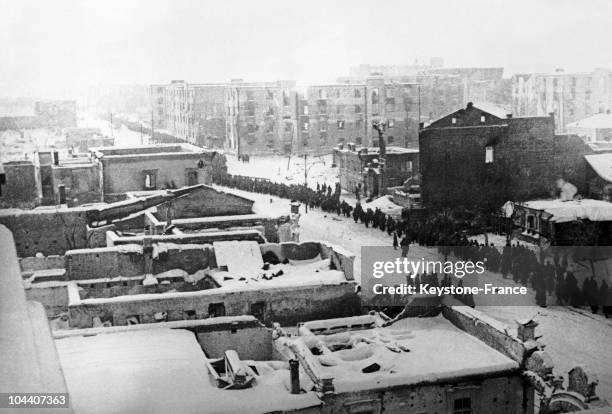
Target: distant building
79, 140
153, 167
60, 114
479, 159
42, 114
569, 96
594, 128
262, 117
360, 167
157, 95
342, 113
194, 113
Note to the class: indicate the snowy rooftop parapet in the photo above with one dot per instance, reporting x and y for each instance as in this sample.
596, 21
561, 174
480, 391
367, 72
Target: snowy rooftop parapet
567, 211
360, 354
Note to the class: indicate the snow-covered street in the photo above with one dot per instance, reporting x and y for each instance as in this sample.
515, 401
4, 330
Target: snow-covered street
563, 329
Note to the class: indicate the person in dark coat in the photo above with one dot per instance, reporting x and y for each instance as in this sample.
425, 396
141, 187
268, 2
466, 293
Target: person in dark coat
604, 298
405, 245
395, 243
590, 293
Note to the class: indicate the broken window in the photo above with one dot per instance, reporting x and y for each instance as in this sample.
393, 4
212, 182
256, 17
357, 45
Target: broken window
341, 124
374, 96
216, 310
258, 310
489, 154
453, 120
189, 314
462, 406
132, 320
391, 123
150, 180
322, 125
483, 119
192, 177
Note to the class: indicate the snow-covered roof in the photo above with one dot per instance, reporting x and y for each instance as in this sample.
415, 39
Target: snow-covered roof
390, 150
602, 164
385, 204
408, 352
566, 211
597, 121
162, 371
291, 275
493, 109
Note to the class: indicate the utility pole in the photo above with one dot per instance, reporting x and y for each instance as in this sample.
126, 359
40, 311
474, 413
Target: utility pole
237, 125
111, 126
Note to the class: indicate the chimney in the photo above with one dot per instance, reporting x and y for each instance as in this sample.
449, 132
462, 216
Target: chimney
294, 373
509, 116
469, 105
421, 125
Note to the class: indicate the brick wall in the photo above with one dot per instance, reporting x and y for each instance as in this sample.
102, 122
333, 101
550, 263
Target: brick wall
528, 158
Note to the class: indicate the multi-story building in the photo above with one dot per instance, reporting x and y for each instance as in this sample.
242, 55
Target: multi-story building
342, 113
263, 117
195, 113
157, 95
569, 96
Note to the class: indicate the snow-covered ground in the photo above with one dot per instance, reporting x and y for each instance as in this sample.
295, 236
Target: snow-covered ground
285, 169
124, 137
572, 336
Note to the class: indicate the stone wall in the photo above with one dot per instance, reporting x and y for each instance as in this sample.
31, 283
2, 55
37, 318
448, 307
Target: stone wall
47, 231
82, 183
205, 202
22, 188
287, 306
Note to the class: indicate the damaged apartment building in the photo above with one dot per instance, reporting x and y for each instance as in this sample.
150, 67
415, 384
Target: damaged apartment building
355, 364
273, 117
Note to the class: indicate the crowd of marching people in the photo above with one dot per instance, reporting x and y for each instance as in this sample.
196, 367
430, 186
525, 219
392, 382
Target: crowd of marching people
549, 278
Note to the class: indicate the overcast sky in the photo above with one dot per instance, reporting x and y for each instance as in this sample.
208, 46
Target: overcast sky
48, 48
